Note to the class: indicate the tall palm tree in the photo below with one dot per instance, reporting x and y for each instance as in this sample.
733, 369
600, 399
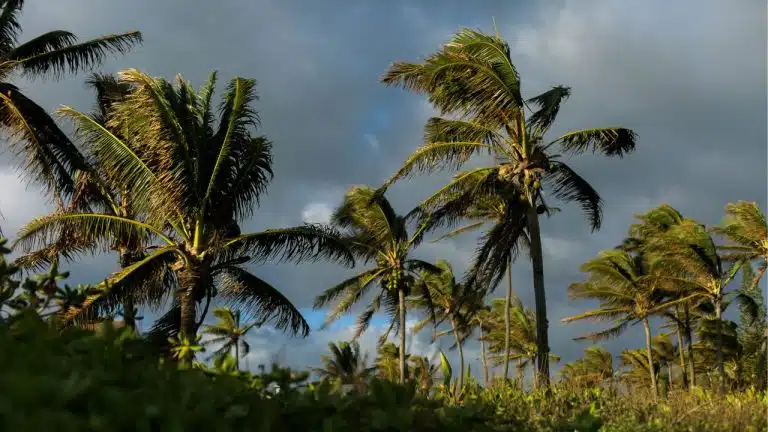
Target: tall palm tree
229, 332
50, 159
690, 260
628, 293
346, 364
376, 233
96, 192
446, 300
746, 228
473, 81
194, 179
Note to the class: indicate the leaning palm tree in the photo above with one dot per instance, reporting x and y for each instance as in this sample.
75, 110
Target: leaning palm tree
746, 228
473, 82
346, 364
50, 159
628, 293
446, 300
690, 260
229, 332
375, 232
194, 179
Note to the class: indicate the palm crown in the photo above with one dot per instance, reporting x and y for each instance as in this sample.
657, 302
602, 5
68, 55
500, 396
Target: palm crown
194, 180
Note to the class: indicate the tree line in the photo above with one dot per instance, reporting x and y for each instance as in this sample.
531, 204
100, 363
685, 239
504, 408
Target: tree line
163, 175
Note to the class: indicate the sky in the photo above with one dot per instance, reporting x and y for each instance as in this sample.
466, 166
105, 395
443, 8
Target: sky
688, 76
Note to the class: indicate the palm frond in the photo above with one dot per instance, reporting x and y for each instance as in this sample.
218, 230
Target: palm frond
549, 106
610, 141
9, 23
261, 299
307, 242
570, 187
74, 57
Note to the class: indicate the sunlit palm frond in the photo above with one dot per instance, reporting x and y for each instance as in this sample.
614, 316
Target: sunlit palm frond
568, 186
612, 141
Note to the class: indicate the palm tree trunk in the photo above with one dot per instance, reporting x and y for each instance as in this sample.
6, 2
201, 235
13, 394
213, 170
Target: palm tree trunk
680, 348
669, 375
129, 318
189, 278
237, 355
507, 319
719, 343
689, 337
521, 374
542, 325
534, 374
483, 357
401, 295
461, 355
651, 370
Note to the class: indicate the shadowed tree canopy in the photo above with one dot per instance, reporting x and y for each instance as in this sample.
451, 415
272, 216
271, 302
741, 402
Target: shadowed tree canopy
49, 158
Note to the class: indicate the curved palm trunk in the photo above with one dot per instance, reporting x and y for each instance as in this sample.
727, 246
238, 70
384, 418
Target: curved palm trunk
507, 319
401, 295
689, 337
483, 357
680, 349
647, 326
461, 355
719, 343
542, 325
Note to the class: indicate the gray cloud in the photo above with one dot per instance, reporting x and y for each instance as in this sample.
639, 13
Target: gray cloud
688, 77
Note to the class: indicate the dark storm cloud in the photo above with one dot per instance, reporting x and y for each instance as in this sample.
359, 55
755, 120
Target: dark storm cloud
688, 77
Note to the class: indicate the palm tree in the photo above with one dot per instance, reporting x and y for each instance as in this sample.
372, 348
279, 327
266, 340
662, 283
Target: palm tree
639, 368
346, 364
194, 181
690, 260
50, 159
446, 300
522, 336
745, 226
375, 232
473, 81
482, 320
230, 333
651, 224
628, 293
664, 353
93, 190
594, 368
388, 364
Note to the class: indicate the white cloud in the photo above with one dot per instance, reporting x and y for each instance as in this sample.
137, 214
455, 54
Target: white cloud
558, 248
317, 212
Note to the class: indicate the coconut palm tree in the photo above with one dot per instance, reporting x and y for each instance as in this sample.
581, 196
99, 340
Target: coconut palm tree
689, 257
446, 300
194, 179
522, 336
746, 228
628, 293
50, 159
639, 368
346, 364
473, 82
375, 232
229, 332
96, 192
595, 367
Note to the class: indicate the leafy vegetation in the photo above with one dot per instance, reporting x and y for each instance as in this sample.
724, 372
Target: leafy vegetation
161, 177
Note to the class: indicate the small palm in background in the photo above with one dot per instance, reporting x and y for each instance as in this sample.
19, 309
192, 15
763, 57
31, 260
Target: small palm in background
346, 364
230, 333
